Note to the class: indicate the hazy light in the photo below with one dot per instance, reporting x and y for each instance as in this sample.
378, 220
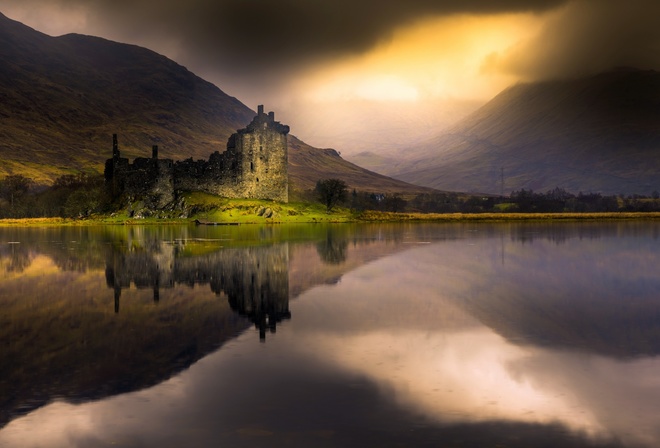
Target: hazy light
377, 88
424, 78
441, 57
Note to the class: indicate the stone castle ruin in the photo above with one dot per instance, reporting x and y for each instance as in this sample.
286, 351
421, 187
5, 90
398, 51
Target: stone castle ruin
253, 166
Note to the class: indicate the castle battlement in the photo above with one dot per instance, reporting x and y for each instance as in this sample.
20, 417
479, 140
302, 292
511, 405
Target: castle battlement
264, 121
254, 165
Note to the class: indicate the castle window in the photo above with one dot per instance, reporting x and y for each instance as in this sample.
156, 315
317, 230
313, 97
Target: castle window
257, 179
251, 166
261, 148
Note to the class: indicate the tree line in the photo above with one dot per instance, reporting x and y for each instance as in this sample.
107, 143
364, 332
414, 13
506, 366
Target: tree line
82, 195
70, 196
557, 200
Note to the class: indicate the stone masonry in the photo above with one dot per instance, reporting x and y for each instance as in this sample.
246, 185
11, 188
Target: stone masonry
254, 165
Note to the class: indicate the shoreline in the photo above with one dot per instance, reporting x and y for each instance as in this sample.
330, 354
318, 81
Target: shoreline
337, 218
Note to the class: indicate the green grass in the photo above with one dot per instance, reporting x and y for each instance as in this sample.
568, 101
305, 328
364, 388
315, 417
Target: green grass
247, 211
212, 209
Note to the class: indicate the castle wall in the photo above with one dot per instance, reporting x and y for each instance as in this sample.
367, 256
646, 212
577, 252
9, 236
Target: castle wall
219, 175
150, 180
253, 166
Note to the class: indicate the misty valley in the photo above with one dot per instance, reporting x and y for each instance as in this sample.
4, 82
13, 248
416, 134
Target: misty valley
463, 334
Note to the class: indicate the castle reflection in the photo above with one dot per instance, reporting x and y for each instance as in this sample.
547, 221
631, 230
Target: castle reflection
255, 280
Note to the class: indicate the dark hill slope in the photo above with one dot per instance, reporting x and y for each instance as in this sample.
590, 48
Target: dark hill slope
599, 134
61, 99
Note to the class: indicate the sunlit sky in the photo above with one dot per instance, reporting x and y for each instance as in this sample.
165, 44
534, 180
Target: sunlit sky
376, 69
437, 57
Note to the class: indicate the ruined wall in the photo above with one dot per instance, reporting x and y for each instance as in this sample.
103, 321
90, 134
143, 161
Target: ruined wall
253, 166
149, 180
219, 175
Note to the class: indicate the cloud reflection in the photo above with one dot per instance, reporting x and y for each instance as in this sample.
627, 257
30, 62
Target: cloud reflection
469, 372
458, 377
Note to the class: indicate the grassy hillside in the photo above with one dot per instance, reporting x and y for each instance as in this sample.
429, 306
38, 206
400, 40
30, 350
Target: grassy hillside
62, 99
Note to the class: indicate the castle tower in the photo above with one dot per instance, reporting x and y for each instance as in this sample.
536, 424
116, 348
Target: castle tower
262, 153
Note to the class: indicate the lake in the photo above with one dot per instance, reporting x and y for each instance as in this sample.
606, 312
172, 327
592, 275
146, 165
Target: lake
388, 335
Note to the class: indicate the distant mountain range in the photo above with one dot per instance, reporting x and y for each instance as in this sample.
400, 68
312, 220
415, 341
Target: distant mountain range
62, 98
597, 134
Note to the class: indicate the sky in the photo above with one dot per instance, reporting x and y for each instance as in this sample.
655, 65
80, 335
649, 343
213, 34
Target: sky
368, 75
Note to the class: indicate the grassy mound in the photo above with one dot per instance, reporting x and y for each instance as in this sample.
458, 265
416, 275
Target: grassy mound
212, 209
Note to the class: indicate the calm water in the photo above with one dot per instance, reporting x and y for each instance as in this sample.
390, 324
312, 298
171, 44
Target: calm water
512, 335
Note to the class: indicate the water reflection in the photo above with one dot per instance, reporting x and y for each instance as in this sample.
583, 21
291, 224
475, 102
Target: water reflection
16, 260
459, 335
253, 279
333, 248
177, 293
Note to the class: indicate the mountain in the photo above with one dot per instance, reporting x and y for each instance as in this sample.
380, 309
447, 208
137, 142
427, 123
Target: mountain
596, 134
62, 98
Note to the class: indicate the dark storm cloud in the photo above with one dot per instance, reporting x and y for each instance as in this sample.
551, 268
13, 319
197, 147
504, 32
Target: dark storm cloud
259, 33
586, 37
247, 36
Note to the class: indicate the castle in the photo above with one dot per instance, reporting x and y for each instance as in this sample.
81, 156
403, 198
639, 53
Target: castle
253, 166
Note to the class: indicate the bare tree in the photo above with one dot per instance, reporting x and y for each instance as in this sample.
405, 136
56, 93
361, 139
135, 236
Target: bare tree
331, 192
